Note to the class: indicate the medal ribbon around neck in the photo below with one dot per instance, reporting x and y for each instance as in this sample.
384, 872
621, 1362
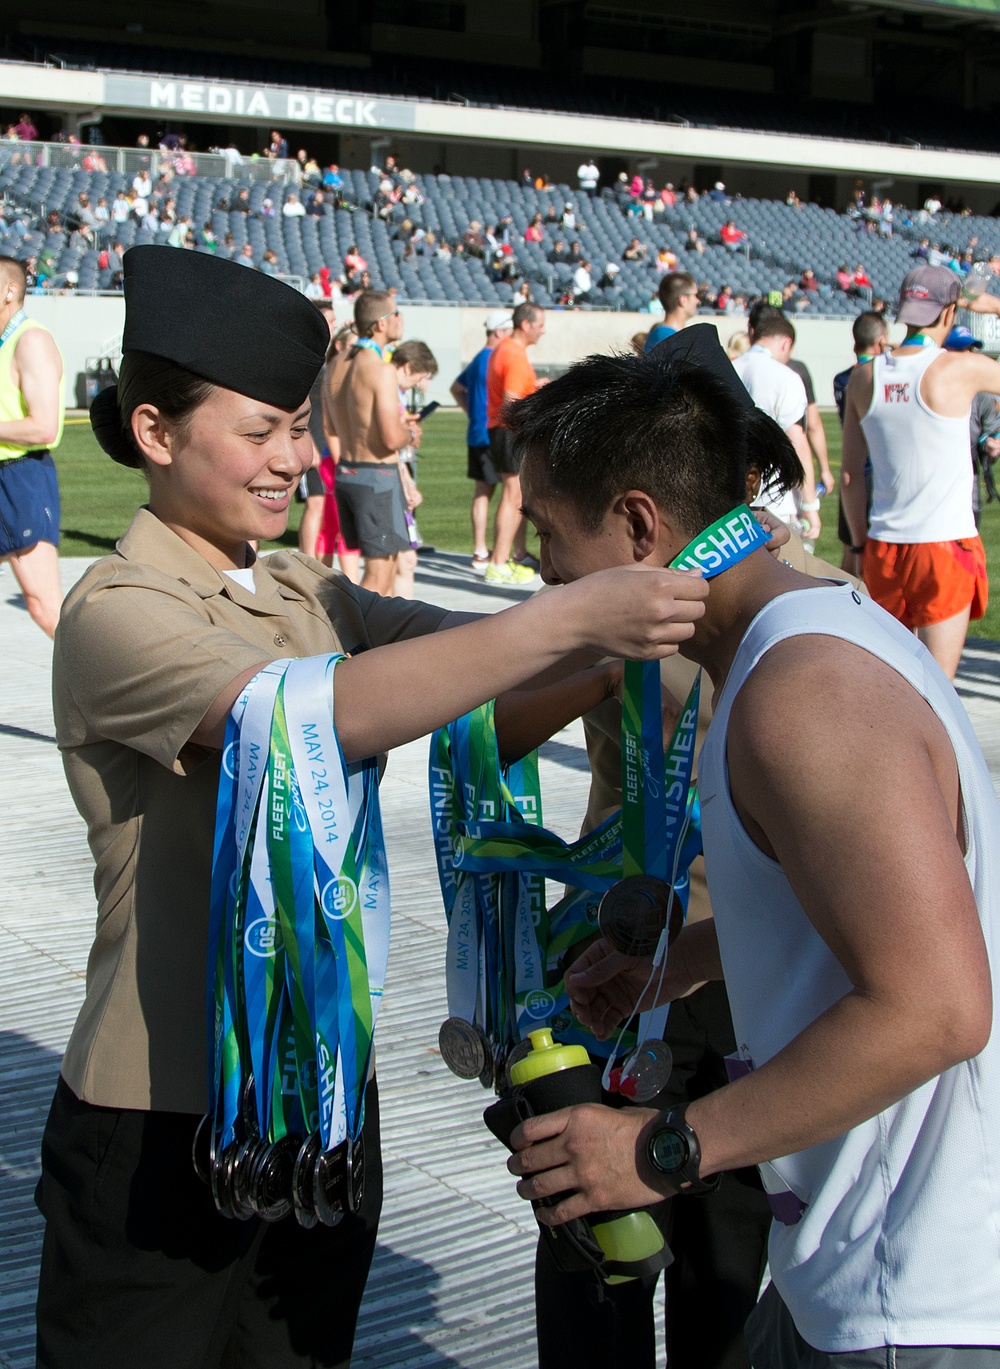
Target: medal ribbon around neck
477, 847
299, 917
13, 324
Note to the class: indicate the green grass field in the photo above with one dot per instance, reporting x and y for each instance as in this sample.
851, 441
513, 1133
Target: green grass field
99, 498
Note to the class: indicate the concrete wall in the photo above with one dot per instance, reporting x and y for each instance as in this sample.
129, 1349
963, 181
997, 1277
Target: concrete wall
83, 327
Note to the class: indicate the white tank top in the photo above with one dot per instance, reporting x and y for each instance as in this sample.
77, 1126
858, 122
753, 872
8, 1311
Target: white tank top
921, 461
889, 1234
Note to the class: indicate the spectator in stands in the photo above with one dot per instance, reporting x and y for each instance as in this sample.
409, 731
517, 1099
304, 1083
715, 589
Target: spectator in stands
332, 178
277, 148
668, 196
404, 232
582, 283
269, 263
241, 204
886, 217
102, 214
358, 284
610, 281
25, 130
666, 261
522, 294
266, 210
738, 343
502, 266
724, 301
921, 250
792, 200
635, 251
718, 193
845, 278
317, 207
861, 281
246, 255
354, 262
150, 222
527, 179
568, 217
575, 254
544, 182
651, 201
121, 208
559, 254
207, 238
142, 186
82, 239
808, 281
293, 208
678, 294
731, 237
694, 242
83, 213
535, 231
588, 176
932, 205
474, 240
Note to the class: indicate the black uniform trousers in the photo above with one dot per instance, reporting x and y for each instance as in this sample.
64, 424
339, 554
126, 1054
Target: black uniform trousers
719, 1244
140, 1271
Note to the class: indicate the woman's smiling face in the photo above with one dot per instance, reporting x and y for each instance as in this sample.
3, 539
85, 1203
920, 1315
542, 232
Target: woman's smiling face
226, 476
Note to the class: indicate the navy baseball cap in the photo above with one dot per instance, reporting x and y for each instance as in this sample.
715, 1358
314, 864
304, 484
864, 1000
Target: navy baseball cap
960, 339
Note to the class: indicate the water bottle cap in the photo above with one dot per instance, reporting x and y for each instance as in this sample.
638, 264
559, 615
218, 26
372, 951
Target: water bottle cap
546, 1057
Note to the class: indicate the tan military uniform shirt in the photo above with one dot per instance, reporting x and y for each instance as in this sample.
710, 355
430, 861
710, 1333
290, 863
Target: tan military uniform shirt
146, 642
602, 726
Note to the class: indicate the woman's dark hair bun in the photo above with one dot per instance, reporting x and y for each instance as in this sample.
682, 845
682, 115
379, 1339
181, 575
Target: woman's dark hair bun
106, 421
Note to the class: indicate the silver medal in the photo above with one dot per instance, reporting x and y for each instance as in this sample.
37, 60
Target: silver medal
633, 914
465, 1049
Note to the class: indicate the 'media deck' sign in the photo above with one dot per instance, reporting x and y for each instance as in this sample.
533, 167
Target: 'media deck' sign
284, 106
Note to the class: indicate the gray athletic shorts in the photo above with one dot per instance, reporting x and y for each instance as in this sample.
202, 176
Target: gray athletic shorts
774, 1343
372, 508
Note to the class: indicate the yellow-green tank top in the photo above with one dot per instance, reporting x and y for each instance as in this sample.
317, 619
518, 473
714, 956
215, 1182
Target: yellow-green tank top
12, 405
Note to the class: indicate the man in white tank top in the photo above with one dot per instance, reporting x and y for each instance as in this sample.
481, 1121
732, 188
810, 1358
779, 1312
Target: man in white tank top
908, 411
850, 857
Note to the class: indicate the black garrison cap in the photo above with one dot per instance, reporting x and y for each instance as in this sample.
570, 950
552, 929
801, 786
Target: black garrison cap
232, 326
698, 348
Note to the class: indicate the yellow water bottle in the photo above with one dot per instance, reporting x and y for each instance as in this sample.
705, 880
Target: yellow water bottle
552, 1076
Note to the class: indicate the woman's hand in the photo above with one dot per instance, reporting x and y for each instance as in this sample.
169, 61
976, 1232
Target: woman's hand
780, 532
605, 987
637, 612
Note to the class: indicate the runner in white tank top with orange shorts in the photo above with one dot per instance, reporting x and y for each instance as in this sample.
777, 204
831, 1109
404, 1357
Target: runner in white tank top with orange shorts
908, 410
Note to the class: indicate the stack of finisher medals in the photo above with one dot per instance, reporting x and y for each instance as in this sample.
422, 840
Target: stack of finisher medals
507, 954
299, 940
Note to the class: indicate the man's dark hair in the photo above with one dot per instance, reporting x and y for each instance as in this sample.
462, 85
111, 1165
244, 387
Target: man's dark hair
527, 313
867, 329
673, 286
614, 423
765, 320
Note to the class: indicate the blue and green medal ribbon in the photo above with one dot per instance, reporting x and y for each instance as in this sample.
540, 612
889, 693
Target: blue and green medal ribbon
299, 915
484, 846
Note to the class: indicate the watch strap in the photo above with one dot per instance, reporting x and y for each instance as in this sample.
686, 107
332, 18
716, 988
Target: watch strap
687, 1178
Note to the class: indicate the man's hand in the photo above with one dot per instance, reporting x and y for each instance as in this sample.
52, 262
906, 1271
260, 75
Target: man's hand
605, 987
594, 1154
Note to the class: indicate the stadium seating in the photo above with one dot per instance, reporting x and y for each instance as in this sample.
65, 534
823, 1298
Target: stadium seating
782, 240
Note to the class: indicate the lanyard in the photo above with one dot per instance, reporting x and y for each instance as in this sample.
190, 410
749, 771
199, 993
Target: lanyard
12, 326
368, 344
482, 838
299, 918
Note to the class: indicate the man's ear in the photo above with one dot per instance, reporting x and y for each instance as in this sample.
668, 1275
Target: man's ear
642, 520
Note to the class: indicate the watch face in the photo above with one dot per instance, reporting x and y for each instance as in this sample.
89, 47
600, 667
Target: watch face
668, 1151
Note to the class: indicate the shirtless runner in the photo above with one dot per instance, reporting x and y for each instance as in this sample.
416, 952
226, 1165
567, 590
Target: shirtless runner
363, 399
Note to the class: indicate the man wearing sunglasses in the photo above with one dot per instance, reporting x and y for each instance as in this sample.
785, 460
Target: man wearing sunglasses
363, 402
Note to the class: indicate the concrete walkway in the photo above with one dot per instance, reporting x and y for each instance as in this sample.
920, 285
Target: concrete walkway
452, 1279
